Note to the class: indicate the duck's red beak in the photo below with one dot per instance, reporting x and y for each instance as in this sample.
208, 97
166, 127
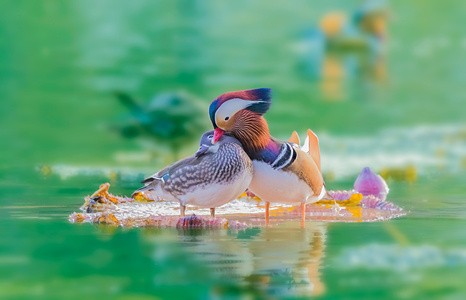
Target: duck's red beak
217, 135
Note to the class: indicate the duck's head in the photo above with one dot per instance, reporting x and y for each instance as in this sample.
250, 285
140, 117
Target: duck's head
239, 114
207, 145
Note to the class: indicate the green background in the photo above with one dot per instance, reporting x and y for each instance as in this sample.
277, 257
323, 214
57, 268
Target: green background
61, 61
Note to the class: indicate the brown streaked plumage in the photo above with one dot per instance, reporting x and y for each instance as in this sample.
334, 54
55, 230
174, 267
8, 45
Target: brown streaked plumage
253, 131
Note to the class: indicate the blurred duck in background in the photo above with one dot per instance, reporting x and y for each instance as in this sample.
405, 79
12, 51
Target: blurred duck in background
172, 119
365, 29
344, 45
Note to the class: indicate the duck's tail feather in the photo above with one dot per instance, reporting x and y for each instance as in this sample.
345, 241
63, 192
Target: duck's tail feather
150, 179
326, 195
151, 184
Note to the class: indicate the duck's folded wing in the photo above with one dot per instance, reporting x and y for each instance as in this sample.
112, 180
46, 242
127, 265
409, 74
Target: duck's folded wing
163, 174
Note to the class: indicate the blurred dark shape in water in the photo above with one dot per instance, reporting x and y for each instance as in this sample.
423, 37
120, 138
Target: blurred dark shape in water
344, 46
173, 119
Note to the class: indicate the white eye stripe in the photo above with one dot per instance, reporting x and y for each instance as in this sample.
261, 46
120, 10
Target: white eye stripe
231, 107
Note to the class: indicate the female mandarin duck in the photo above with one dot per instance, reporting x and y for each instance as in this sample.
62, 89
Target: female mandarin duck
215, 175
283, 172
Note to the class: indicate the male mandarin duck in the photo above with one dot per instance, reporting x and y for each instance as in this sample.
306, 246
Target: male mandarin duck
283, 173
217, 174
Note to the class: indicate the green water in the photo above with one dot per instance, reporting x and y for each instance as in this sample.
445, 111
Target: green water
60, 62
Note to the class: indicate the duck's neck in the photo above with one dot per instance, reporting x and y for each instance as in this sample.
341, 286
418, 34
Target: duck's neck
253, 133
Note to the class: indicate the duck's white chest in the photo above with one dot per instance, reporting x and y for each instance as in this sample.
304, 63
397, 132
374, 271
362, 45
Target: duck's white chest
218, 194
277, 185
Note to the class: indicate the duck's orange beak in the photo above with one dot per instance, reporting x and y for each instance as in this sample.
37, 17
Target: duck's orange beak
217, 135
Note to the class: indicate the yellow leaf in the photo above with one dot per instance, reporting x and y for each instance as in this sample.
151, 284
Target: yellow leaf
79, 218
355, 200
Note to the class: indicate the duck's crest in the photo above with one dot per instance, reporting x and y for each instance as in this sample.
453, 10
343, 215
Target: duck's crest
263, 96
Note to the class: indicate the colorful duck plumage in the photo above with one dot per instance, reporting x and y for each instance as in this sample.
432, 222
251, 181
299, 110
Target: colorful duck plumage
283, 172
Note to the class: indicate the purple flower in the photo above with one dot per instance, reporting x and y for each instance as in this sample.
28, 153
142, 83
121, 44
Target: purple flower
369, 183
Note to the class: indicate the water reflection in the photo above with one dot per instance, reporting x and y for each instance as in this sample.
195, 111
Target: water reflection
283, 260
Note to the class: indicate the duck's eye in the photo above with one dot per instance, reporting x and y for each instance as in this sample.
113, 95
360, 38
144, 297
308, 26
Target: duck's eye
210, 137
227, 118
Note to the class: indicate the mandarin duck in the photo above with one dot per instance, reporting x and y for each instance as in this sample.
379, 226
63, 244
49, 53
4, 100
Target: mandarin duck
215, 175
283, 173
365, 29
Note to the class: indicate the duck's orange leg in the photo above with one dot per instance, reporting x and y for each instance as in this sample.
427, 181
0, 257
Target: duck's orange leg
303, 214
267, 209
